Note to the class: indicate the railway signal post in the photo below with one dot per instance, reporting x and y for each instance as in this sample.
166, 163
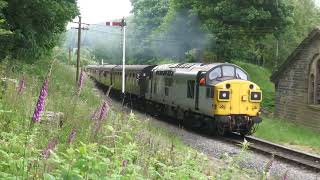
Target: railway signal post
122, 24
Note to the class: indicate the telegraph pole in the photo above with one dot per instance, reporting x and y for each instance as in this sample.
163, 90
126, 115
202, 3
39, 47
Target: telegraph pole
79, 46
78, 51
69, 60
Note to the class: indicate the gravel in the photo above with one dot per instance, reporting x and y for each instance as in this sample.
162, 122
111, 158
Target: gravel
215, 148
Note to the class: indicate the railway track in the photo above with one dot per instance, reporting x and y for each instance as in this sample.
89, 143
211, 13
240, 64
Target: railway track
282, 153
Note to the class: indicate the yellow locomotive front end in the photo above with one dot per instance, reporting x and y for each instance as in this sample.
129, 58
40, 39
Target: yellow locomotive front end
237, 106
237, 97
236, 100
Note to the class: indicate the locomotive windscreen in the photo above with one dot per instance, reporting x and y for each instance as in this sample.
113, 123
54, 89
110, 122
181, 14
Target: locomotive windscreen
226, 72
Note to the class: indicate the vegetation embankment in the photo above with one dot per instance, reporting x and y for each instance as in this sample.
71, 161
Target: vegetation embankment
94, 139
277, 130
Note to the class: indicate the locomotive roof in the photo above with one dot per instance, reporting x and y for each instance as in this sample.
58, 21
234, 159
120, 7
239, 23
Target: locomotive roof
187, 67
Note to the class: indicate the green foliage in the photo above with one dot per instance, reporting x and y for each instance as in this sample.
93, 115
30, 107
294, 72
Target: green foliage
289, 134
36, 26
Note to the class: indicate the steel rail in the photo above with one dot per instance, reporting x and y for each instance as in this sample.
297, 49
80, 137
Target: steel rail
307, 160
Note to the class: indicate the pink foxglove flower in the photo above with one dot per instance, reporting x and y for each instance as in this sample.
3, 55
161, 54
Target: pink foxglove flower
124, 165
96, 113
52, 144
101, 116
104, 110
41, 102
22, 85
81, 81
286, 175
72, 136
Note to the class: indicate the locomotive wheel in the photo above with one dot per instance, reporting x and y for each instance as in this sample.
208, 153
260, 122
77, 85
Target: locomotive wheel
245, 132
220, 130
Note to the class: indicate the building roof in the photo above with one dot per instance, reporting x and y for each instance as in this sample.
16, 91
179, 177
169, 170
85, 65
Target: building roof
292, 58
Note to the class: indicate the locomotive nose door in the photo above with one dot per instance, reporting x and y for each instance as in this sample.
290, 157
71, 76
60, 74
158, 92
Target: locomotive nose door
239, 98
235, 98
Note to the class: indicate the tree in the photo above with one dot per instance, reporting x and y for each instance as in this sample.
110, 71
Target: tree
36, 25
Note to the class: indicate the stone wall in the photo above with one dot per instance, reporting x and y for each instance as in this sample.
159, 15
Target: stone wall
292, 89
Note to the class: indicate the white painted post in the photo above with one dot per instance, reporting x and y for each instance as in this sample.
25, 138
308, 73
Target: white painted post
124, 59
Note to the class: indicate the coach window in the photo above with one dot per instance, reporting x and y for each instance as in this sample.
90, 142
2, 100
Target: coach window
190, 90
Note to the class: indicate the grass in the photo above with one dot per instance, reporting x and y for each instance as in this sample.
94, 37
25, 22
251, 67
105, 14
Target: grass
123, 148
289, 134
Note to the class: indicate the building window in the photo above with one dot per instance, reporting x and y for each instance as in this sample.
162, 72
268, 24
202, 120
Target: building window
190, 89
317, 94
314, 82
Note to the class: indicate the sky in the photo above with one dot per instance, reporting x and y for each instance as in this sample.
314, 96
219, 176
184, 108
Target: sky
97, 11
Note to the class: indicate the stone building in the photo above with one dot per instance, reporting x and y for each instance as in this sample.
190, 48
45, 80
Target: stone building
297, 84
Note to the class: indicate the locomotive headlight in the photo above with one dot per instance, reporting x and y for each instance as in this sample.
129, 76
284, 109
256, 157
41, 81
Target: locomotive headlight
255, 96
224, 95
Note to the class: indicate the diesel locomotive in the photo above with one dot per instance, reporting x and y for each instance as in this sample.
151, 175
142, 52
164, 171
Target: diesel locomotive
218, 96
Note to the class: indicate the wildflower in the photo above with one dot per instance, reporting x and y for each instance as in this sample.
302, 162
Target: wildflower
124, 165
286, 175
268, 167
21, 86
99, 118
52, 144
72, 136
41, 102
80, 83
104, 110
96, 113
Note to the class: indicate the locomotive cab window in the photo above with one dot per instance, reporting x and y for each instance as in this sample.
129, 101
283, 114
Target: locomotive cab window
216, 73
190, 89
228, 71
241, 75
